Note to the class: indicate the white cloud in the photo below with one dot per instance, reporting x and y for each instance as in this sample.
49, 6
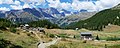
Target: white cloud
16, 7
104, 4
7, 1
17, 2
100, 5
66, 5
4, 9
75, 5
26, 5
107, 3
54, 3
1, 1
57, 4
78, 5
38, 1
34, 1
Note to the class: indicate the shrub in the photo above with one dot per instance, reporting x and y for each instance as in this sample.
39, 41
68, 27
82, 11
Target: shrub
41, 36
31, 32
52, 35
18, 33
105, 45
13, 30
28, 34
84, 41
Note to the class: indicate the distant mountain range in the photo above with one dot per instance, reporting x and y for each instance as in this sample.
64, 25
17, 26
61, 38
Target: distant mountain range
28, 14
60, 17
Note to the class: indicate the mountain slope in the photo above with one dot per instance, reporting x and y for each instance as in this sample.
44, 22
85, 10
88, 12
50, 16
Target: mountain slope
21, 17
100, 20
75, 18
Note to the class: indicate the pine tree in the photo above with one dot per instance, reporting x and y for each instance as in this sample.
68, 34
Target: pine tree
97, 37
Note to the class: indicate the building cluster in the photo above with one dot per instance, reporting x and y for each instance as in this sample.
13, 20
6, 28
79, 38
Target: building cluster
26, 27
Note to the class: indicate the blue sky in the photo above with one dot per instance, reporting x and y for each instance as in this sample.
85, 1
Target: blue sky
69, 1
70, 5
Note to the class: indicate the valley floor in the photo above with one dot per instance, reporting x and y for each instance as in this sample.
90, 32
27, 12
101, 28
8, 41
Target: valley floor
69, 38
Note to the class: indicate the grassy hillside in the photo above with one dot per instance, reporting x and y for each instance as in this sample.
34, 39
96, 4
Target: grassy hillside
6, 44
19, 38
105, 40
99, 20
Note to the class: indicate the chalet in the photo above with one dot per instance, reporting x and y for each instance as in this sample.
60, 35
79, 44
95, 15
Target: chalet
26, 26
86, 36
76, 28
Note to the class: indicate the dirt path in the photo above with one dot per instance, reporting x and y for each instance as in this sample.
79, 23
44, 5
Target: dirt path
38, 36
45, 45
